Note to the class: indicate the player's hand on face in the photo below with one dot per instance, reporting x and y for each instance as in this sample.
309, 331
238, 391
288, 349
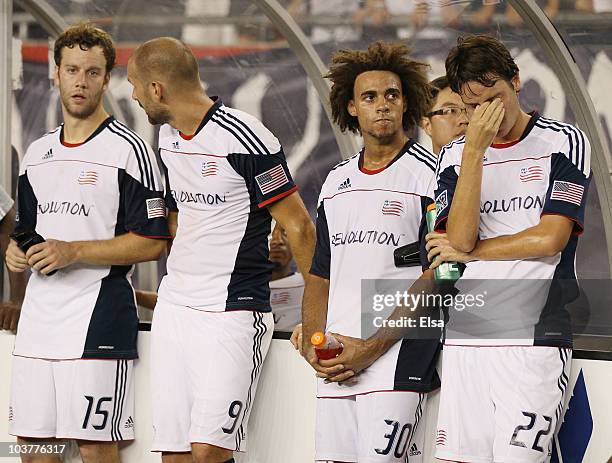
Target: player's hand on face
16, 260
9, 316
355, 357
51, 255
296, 338
438, 245
483, 127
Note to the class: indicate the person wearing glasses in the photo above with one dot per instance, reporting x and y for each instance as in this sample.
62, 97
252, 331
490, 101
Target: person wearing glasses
447, 120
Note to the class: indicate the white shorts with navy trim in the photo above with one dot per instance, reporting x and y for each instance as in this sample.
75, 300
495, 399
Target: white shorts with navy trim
204, 372
86, 399
501, 404
378, 427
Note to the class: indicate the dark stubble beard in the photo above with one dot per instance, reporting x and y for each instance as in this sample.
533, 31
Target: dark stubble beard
159, 117
84, 111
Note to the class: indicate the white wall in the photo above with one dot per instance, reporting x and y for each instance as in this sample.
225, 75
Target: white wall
282, 422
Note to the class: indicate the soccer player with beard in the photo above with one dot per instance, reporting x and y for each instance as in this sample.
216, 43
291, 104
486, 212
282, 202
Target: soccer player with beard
92, 188
227, 178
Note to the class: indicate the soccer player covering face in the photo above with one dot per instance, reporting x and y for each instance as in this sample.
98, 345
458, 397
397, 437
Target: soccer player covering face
370, 204
447, 118
511, 196
92, 188
212, 326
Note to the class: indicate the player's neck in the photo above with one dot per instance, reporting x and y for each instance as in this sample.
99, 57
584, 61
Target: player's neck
190, 112
280, 272
378, 154
78, 130
517, 131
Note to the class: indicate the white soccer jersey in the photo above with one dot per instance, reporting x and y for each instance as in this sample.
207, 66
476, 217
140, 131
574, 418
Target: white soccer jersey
220, 180
106, 186
547, 171
362, 217
286, 301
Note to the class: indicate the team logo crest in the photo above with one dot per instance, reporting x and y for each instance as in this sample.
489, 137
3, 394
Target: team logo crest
442, 201
209, 168
392, 207
531, 173
88, 177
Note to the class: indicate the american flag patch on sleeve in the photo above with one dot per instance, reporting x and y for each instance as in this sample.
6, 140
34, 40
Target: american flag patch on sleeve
272, 179
156, 207
568, 192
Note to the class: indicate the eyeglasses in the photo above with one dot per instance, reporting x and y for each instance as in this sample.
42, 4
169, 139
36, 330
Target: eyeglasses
454, 111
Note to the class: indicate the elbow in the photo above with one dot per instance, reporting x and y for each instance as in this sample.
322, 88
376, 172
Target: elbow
156, 250
551, 247
461, 243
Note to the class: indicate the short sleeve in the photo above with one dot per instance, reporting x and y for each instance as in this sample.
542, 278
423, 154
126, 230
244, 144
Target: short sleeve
142, 197
267, 176
569, 181
321, 261
445, 189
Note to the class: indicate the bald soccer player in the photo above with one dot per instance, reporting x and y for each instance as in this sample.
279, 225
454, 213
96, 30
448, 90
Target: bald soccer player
226, 178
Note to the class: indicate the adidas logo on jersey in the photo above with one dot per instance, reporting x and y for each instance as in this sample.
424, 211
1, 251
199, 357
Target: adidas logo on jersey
344, 185
48, 154
414, 451
129, 423
175, 145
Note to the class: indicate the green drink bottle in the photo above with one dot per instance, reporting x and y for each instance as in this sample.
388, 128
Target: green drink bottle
448, 271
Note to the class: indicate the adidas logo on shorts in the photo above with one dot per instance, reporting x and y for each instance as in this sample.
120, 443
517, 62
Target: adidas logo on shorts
129, 423
414, 451
344, 185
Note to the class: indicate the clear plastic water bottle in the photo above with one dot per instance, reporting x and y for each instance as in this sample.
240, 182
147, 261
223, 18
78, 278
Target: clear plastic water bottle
326, 346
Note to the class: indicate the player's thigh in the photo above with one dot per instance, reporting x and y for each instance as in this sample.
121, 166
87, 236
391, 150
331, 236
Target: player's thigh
387, 422
465, 428
226, 374
529, 393
336, 432
171, 387
32, 407
95, 399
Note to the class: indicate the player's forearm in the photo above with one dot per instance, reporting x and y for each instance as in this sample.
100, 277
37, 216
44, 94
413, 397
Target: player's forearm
314, 306
126, 249
464, 217
146, 299
17, 286
532, 243
302, 239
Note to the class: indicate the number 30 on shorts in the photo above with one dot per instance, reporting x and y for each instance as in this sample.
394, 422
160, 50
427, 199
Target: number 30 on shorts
402, 440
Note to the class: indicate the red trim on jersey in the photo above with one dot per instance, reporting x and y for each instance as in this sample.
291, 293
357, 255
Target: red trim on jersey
517, 160
505, 145
152, 237
73, 160
373, 189
373, 392
371, 172
194, 154
285, 287
577, 233
65, 437
187, 137
70, 145
277, 197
